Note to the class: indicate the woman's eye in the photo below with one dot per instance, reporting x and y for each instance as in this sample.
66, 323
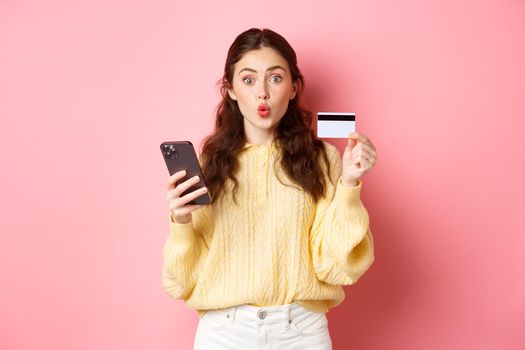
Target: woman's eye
247, 80
275, 79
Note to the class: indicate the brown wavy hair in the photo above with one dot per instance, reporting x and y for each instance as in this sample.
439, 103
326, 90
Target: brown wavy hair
300, 149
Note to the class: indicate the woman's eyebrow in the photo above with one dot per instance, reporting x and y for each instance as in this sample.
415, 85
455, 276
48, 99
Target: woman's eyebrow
254, 71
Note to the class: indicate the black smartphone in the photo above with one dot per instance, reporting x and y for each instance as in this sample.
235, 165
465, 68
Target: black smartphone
180, 155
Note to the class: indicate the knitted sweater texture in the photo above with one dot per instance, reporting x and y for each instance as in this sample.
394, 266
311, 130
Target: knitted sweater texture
274, 246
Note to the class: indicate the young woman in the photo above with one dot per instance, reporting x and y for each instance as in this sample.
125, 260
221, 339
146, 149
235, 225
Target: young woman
286, 229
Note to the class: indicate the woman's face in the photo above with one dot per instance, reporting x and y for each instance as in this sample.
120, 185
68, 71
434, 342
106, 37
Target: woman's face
262, 86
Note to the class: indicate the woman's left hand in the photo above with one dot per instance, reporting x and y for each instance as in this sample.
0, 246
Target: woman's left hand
358, 158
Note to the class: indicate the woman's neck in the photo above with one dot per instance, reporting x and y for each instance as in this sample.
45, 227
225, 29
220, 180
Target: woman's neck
260, 138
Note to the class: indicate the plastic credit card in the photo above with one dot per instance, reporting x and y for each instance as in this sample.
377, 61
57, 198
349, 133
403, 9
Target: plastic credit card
335, 124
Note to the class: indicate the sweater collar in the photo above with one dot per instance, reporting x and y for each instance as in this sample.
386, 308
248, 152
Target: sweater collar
271, 146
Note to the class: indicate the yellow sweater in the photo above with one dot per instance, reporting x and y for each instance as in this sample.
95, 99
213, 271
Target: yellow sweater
274, 247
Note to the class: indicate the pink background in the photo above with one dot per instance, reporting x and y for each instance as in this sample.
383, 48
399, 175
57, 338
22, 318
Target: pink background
89, 89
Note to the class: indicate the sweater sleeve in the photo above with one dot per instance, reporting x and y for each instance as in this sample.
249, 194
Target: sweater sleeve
184, 253
340, 239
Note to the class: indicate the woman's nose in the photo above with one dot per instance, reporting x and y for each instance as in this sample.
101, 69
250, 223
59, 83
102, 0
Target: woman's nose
263, 91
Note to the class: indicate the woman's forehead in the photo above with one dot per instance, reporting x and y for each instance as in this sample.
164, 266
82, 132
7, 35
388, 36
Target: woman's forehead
260, 60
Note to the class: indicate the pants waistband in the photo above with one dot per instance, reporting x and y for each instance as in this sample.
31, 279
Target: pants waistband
263, 314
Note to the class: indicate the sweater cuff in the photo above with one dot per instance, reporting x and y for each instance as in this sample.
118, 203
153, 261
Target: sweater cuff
348, 195
181, 232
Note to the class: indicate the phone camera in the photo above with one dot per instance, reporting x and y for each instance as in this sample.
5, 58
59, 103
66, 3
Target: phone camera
170, 151
168, 148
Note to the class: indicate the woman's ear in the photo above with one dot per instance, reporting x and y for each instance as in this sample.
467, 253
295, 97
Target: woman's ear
231, 93
294, 91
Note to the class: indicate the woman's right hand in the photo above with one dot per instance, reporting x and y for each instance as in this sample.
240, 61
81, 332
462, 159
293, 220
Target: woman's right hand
180, 209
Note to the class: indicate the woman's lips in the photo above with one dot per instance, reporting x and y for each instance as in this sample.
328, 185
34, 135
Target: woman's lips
263, 110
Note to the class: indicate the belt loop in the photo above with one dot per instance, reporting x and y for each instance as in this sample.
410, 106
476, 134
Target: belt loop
232, 314
286, 317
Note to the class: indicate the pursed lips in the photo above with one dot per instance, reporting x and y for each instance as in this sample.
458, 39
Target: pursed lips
263, 110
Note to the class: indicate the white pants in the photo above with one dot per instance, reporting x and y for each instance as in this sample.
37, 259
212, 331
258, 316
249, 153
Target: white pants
246, 327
